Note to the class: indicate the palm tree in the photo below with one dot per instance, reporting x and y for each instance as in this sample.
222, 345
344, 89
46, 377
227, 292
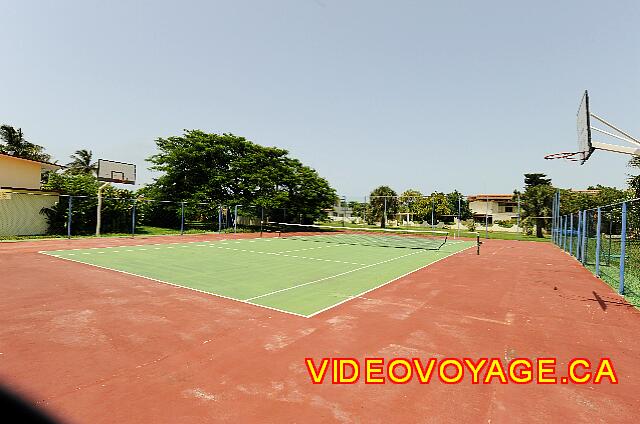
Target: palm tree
15, 144
82, 162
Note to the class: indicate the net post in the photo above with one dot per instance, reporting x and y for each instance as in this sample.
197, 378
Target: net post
598, 237
181, 218
69, 210
478, 242
623, 247
133, 218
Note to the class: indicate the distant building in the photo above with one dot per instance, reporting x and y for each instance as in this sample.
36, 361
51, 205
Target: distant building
339, 212
21, 197
495, 207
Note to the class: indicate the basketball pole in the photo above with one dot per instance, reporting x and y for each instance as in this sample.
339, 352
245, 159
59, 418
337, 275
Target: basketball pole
99, 208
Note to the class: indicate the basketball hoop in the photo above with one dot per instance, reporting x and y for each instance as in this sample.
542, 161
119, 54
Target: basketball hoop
570, 156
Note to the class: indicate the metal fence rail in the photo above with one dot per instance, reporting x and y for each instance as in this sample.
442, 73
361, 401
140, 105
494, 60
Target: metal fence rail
27, 214
606, 240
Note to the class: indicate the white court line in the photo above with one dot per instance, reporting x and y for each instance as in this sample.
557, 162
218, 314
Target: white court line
333, 276
248, 301
385, 283
178, 285
288, 256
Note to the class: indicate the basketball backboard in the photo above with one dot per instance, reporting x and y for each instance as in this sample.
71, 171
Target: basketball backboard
585, 146
116, 172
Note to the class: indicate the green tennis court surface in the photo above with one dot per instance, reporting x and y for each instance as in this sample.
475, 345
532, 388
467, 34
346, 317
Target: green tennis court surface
286, 274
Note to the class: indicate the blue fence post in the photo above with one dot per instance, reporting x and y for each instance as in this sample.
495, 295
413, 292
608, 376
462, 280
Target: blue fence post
578, 235
181, 218
133, 218
564, 237
554, 220
69, 210
571, 234
220, 219
623, 242
583, 249
598, 237
558, 225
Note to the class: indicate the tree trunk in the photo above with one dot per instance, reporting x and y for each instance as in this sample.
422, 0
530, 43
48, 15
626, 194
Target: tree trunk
539, 224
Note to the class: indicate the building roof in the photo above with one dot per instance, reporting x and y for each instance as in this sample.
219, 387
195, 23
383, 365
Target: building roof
44, 165
594, 192
484, 197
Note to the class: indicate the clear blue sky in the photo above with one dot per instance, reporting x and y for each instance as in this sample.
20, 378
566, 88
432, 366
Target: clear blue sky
413, 94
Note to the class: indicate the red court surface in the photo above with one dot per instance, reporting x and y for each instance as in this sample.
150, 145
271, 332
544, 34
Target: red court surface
97, 346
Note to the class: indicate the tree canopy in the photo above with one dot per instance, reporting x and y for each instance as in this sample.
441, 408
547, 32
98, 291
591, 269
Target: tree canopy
537, 199
532, 180
383, 199
228, 169
12, 142
82, 162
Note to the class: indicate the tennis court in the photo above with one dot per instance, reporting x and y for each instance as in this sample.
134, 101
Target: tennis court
300, 275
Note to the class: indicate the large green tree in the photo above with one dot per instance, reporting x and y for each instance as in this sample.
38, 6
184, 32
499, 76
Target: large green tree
453, 198
83, 188
537, 199
384, 203
634, 179
12, 142
227, 169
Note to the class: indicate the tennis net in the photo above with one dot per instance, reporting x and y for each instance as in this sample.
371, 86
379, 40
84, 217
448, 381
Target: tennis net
379, 237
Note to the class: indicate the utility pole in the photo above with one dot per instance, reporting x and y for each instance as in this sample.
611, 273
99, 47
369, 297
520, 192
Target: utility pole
459, 214
518, 218
433, 207
486, 220
384, 217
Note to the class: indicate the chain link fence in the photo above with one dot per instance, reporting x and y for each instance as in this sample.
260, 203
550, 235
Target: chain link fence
26, 214
606, 240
